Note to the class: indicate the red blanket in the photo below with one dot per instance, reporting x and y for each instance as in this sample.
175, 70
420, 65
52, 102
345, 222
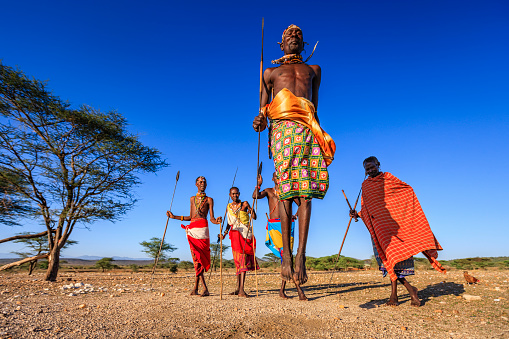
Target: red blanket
200, 245
242, 245
396, 222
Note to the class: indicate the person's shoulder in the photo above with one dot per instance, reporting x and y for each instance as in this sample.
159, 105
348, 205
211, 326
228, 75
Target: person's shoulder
316, 68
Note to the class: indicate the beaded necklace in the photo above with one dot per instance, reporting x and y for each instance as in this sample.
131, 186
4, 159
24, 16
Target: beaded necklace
202, 197
289, 59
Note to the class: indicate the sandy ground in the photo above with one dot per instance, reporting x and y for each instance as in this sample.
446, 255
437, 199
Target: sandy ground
122, 304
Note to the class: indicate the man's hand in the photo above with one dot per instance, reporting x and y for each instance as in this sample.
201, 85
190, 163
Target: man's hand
170, 215
354, 214
259, 181
260, 123
218, 220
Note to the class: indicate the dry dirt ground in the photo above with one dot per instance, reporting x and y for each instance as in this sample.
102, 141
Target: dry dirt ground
122, 304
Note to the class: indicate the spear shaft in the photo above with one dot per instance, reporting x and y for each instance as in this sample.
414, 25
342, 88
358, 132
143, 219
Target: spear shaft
165, 227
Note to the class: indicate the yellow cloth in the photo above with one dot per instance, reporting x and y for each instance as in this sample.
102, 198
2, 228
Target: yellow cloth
244, 217
287, 106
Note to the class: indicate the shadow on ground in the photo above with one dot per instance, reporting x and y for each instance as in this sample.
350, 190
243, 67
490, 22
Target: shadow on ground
436, 290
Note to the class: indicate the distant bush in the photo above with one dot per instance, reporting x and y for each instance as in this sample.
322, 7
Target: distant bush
173, 268
185, 265
134, 267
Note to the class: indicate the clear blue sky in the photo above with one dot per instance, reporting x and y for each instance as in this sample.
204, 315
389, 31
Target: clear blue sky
423, 85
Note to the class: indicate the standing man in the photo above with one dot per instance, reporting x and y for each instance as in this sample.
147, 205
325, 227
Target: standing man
198, 232
300, 147
242, 239
398, 228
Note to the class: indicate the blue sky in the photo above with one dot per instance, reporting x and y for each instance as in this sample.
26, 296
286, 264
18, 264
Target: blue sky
422, 85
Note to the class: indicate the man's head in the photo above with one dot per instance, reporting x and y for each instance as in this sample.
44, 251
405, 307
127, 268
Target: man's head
274, 178
371, 166
201, 183
292, 41
234, 194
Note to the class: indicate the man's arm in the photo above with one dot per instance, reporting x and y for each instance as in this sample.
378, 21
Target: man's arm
250, 210
182, 218
260, 122
257, 194
211, 209
316, 86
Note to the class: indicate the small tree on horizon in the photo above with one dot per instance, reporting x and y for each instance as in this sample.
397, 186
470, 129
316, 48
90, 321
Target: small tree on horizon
105, 264
151, 248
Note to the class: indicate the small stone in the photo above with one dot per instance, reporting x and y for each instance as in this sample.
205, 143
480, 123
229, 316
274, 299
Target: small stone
71, 295
505, 318
439, 311
496, 299
469, 297
82, 306
66, 310
403, 328
111, 295
455, 312
162, 294
18, 302
342, 306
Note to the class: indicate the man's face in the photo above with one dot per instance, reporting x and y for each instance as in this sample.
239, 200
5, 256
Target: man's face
235, 195
274, 178
372, 168
293, 42
201, 184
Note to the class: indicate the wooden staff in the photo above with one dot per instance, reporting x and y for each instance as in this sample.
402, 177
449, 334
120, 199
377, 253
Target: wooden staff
220, 240
342, 243
165, 227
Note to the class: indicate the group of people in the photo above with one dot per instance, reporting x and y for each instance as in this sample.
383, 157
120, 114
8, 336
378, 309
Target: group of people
302, 151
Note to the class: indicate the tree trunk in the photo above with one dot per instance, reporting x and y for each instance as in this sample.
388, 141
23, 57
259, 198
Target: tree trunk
53, 261
31, 268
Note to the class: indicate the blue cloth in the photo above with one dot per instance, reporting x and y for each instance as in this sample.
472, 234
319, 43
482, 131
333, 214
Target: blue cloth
274, 238
402, 269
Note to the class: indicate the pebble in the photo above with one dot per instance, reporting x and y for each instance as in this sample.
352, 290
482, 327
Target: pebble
82, 306
469, 297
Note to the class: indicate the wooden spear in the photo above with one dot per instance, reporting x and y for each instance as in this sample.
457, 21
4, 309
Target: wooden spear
342, 243
165, 227
220, 240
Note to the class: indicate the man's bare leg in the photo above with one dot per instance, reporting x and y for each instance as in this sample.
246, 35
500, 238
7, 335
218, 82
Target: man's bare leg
195, 290
242, 293
412, 291
304, 212
282, 290
393, 299
285, 212
205, 292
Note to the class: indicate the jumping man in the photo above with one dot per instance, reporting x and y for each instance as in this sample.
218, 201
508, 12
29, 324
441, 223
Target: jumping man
198, 232
300, 148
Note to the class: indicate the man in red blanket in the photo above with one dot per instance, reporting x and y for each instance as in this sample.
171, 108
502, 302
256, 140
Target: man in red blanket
398, 227
198, 232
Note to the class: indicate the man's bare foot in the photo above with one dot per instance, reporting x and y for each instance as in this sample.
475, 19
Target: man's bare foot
205, 293
393, 301
282, 294
287, 268
415, 299
194, 292
302, 296
243, 294
300, 276
234, 293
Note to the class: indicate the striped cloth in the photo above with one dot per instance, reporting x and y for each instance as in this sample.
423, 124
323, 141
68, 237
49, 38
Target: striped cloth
396, 222
198, 237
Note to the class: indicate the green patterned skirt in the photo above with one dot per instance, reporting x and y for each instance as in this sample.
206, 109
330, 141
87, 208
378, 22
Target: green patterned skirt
298, 160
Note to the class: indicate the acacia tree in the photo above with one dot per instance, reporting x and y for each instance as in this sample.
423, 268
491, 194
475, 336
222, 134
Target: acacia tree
79, 165
151, 248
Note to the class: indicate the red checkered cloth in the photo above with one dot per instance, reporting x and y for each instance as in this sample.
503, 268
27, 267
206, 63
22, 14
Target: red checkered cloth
391, 212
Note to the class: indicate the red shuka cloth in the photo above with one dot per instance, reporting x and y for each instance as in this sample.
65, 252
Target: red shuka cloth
391, 212
241, 245
200, 248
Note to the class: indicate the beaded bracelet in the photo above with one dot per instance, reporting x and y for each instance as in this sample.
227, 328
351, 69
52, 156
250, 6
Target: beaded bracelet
182, 218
